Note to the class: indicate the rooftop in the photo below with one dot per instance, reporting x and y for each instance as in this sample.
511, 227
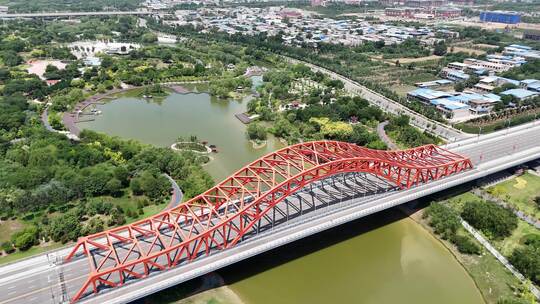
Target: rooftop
519, 93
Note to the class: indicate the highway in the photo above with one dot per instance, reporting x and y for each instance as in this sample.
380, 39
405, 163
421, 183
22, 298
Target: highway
43, 279
73, 14
390, 106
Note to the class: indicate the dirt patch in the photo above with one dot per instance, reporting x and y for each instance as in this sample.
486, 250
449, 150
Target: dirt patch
220, 295
419, 59
520, 183
468, 50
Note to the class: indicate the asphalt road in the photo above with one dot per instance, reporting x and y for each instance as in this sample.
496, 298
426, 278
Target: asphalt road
42, 280
390, 106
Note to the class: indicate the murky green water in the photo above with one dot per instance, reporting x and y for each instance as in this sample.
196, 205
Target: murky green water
161, 123
395, 263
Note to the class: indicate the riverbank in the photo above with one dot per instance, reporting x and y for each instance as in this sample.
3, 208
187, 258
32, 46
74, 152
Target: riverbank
70, 119
219, 295
491, 278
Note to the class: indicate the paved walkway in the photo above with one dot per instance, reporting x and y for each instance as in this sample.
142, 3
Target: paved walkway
488, 197
177, 194
499, 257
384, 137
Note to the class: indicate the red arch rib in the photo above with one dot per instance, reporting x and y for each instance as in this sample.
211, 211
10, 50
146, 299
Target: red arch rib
219, 217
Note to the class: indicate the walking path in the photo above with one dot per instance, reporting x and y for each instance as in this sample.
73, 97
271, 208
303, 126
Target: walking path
499, 257
70, 119
384, 137
177, 194
488, 197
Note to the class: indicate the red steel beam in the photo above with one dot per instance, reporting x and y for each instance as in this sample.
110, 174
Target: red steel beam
222, 215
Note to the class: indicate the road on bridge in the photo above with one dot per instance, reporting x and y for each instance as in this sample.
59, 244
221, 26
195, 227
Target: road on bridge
44, 279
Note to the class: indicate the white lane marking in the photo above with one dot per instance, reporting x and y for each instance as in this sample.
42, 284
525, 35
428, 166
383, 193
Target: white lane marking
12, 286
12, 292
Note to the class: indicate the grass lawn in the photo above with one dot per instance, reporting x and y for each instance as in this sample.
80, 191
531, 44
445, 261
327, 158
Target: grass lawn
457, 202
492, 279
148, 211
520, 193
7, 228
130, 203
28, 253
507, 246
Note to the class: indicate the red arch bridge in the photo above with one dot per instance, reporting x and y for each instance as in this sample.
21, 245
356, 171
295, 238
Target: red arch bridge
250, 201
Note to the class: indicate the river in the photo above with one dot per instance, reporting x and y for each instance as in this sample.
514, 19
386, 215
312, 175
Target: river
383, 259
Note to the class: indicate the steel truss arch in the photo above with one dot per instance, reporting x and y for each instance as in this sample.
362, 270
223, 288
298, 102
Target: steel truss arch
221, 216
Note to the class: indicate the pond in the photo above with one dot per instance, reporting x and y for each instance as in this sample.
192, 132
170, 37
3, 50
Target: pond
394, 262
161, 122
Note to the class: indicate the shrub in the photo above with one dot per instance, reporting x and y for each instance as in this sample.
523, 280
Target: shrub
493, 220
7, 247
466, 245
444, 220
527, 260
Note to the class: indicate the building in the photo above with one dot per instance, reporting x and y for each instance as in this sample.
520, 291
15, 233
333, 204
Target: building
423, 12
458, 106
488, 83
520, 94
426, 95
451, 108
530, 84
434, 83
447, 12
531, 35
92, 61
500, 17
488, 65
425, 3
454, 75
521, 51
3, 9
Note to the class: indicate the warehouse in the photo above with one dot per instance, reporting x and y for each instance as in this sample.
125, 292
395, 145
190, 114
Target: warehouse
500, 17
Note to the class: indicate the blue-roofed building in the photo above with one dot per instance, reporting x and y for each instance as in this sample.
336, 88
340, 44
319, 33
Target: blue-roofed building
520, 94
500, 17
534, 87
454, 75
489, 83
427, 95
520, 46
530, 84
451, 108
434, 83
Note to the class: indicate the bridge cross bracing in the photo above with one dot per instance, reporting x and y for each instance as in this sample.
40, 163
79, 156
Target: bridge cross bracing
235, 208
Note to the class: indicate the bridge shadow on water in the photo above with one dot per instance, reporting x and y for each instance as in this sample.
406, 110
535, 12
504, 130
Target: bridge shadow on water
276, 257
265, 261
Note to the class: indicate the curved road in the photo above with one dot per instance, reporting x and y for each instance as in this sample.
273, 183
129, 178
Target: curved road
177, 194
384, 137
390, 106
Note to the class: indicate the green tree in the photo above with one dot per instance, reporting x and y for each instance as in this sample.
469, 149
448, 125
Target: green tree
256, 131
492, 219
114, 187
65, 227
